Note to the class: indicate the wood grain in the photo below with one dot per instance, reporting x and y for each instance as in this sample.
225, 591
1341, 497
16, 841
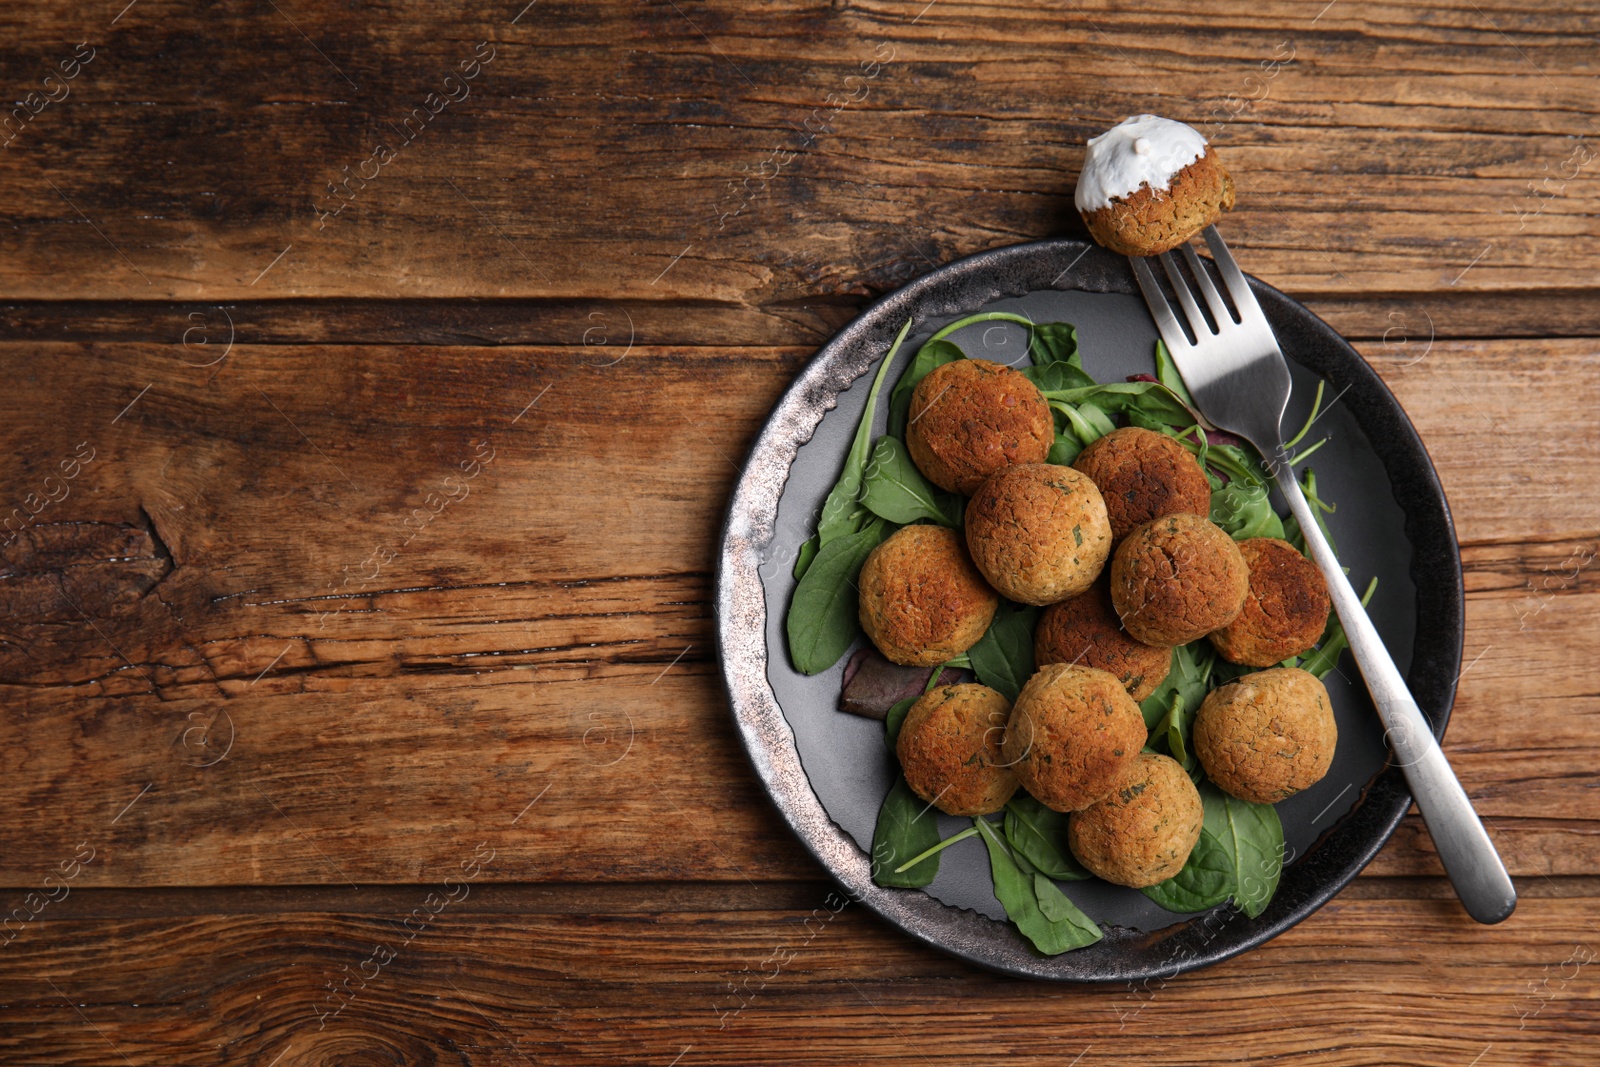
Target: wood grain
785, 152
557, 617
736, 974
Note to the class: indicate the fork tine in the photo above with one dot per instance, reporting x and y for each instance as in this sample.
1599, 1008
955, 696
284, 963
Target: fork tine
1202, 278
1202, 329
1232, 277
1166, 322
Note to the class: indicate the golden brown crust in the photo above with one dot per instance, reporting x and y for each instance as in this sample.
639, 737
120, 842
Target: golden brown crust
971, 417
1073, 730
1151, 221
1144, 475
949, 749
1142, 831
1085, 630
1038, 532
921, 599
1176, 579
1267, 735
1285, 611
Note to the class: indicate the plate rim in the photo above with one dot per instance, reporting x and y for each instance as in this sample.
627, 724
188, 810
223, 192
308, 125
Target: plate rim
740, 604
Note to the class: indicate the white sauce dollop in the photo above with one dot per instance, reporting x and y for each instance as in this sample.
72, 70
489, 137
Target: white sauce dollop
1139, 151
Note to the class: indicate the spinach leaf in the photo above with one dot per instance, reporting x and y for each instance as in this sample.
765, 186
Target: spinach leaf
1055, 342
1064, 451
1003, 656
894, 489
906, 828
1205, 881
823, 619
1252, 841
932, 355
1175, 728
1040, 835
1189, 678
897, 716
1033, 902
1057, 377
1245, 511
808, 552
840, 512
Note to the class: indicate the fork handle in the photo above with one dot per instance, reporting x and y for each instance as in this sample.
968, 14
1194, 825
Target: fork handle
1469, 857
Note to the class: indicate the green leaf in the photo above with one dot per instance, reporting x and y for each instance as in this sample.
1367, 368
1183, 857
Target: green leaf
839, 510
1175, 728
823, 616
1039, 834
1205, 881
1033, 902
1251, 837
1054, 342
1167, 374
1325, 657
894, 489
1064, 451
907, 827
932, 355
1003, 656
808, 552
1189, 678
897, 716
1245, 511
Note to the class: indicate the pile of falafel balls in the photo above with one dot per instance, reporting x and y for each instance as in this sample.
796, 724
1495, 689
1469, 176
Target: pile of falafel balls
1119, 550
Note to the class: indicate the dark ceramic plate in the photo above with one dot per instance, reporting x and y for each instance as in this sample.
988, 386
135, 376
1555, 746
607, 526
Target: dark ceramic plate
828, 771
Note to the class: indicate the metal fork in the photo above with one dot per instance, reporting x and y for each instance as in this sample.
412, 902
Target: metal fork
1240, 382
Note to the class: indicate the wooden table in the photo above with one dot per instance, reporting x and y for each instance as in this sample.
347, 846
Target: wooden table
361, 703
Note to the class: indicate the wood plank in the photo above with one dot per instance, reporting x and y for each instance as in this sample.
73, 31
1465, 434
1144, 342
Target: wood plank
1405, 325
213, 568
1393, 148
633, 974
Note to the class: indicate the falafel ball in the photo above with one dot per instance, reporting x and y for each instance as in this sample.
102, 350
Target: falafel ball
1038, 532
1085, 630
970, 417
1267, 735
922, 601
949, 749
1150, 184
1073, 731
1176, 579
1144, 475
1142, 831
1286, 610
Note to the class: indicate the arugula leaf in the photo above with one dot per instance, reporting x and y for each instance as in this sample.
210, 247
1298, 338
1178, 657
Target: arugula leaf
1205, 881
840, 514
897, 716
1040, 835
906, 828
933, 354
1003, 656
1033, 902
1251, 837
1325, 657
894, 489
1245, 511
823, 619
